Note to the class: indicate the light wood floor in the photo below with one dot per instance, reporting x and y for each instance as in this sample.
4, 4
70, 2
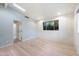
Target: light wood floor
38, 47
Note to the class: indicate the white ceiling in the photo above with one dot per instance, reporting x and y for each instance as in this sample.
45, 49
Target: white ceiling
46, 10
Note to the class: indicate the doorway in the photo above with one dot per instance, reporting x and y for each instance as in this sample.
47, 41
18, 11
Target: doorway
17, 31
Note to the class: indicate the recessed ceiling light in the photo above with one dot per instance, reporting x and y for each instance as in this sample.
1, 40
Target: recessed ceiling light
59, 13
40, 18
17, 6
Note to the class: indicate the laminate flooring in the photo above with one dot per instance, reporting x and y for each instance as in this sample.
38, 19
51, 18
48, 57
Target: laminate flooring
38, 47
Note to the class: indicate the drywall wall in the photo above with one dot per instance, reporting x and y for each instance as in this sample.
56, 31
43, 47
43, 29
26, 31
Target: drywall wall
6, 25
28, 30
6, 20
7, 34
65, 29
28, 26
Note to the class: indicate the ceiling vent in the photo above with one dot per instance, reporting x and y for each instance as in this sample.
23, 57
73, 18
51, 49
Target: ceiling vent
3, 5
27, 17
77, 11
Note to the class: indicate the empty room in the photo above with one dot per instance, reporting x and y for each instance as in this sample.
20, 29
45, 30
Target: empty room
39, 29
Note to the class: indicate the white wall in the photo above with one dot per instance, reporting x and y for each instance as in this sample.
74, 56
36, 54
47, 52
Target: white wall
29, 30
65, 29
6, 26
7, 16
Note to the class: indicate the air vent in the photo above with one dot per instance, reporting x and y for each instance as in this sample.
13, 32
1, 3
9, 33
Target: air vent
77, 11
26, 16
3, 5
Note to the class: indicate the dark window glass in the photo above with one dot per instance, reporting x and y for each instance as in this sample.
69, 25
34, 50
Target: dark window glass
51, 25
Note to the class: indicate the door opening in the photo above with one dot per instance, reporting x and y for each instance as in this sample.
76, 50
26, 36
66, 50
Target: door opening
17, 31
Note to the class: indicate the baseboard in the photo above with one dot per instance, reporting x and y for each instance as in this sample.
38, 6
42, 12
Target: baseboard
29, 38
6, 45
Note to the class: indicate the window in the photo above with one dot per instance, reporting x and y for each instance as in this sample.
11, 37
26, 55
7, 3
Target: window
51, 25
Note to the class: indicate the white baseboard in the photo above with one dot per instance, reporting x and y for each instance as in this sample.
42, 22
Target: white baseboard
6, 45
29, 38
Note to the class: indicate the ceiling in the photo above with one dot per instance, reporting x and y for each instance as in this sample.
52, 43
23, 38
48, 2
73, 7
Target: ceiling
46, 10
